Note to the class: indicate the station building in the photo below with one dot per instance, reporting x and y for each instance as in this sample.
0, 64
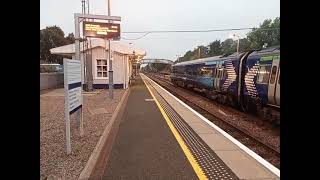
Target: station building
98, 49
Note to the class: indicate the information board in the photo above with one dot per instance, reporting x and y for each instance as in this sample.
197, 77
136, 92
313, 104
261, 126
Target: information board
101, 30
72, 73
73, 95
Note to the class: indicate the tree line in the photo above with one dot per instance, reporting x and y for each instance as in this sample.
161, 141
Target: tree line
267, 35
51, 37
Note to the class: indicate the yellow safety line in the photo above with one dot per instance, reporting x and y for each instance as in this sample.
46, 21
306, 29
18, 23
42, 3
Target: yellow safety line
182, 144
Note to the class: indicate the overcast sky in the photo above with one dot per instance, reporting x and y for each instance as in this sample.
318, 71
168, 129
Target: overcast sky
145, 15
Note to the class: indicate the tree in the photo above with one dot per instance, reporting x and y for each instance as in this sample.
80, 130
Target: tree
268, 33
186, 57
244, 45
215, 48
51, 37
228, 46
70, 38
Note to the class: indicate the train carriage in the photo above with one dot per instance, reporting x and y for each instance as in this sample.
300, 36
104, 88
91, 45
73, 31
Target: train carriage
250, 80
262, 80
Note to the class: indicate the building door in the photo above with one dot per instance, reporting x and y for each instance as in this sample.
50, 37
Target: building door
273, 96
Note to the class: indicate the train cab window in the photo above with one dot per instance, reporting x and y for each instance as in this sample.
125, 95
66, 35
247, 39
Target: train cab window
273, 74
263, 74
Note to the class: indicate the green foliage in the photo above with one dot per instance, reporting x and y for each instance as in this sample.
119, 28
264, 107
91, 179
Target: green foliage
259, 36
70, 38
51, 37
268, 33
215, 48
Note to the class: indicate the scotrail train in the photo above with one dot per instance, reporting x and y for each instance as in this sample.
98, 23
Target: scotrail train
250, 80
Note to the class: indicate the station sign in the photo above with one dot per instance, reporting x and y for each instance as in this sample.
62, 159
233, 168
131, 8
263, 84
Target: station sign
72, 73
101, 30
72, 95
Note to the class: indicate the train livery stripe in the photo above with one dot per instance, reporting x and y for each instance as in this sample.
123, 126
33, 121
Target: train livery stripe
231, 77
182, 144
248, 79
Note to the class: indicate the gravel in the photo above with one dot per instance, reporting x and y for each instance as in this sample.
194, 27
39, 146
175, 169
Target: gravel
54, 162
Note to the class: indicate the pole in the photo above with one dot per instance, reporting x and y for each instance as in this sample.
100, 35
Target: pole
77, 57
110, 61
77, 38
238, 44
66, 110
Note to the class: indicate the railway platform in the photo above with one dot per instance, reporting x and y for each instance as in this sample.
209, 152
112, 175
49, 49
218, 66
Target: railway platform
160, 137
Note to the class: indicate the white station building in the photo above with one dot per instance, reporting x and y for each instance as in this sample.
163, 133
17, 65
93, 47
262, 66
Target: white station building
121, 63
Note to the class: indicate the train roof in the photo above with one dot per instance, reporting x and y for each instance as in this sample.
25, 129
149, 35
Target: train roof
207, 60
271, 50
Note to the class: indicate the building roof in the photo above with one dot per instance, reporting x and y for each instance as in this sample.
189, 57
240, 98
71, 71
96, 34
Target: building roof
115, 46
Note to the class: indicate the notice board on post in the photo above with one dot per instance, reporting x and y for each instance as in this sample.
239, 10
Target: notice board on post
72, 74
73, 94
101, 30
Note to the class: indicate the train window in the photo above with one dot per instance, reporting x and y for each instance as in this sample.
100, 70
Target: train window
206, 72
273, 74
263, 74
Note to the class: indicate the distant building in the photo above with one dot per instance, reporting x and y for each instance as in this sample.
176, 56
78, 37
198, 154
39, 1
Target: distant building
121, 64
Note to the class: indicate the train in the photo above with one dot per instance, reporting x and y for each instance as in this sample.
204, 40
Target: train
247, 80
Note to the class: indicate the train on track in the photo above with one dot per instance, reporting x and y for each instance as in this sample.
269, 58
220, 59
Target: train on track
248, 80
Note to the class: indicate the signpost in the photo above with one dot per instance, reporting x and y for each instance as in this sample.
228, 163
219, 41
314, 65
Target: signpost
73, 95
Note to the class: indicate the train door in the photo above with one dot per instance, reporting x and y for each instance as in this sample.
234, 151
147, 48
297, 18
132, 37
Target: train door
272, 88
217, 76
278, 89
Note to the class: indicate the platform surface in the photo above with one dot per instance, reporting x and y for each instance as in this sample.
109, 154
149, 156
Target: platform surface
144, 147
159, 138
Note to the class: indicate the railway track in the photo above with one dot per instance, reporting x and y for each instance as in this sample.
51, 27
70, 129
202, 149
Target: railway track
258, 145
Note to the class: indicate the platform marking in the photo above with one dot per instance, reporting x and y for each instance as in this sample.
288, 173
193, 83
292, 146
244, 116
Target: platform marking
149, 99
258, 158
182, 144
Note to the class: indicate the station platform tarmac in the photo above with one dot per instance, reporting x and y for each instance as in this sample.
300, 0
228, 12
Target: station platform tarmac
159, 138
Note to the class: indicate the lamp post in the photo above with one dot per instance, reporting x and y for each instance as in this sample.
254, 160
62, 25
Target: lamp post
238, 37
110, 60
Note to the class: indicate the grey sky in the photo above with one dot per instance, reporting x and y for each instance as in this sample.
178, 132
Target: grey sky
144, 15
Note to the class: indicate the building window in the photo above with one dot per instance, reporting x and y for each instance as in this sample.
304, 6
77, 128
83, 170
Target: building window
102, 70
263, 74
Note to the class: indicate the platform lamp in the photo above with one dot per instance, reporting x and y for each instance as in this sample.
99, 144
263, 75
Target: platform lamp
134, 58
